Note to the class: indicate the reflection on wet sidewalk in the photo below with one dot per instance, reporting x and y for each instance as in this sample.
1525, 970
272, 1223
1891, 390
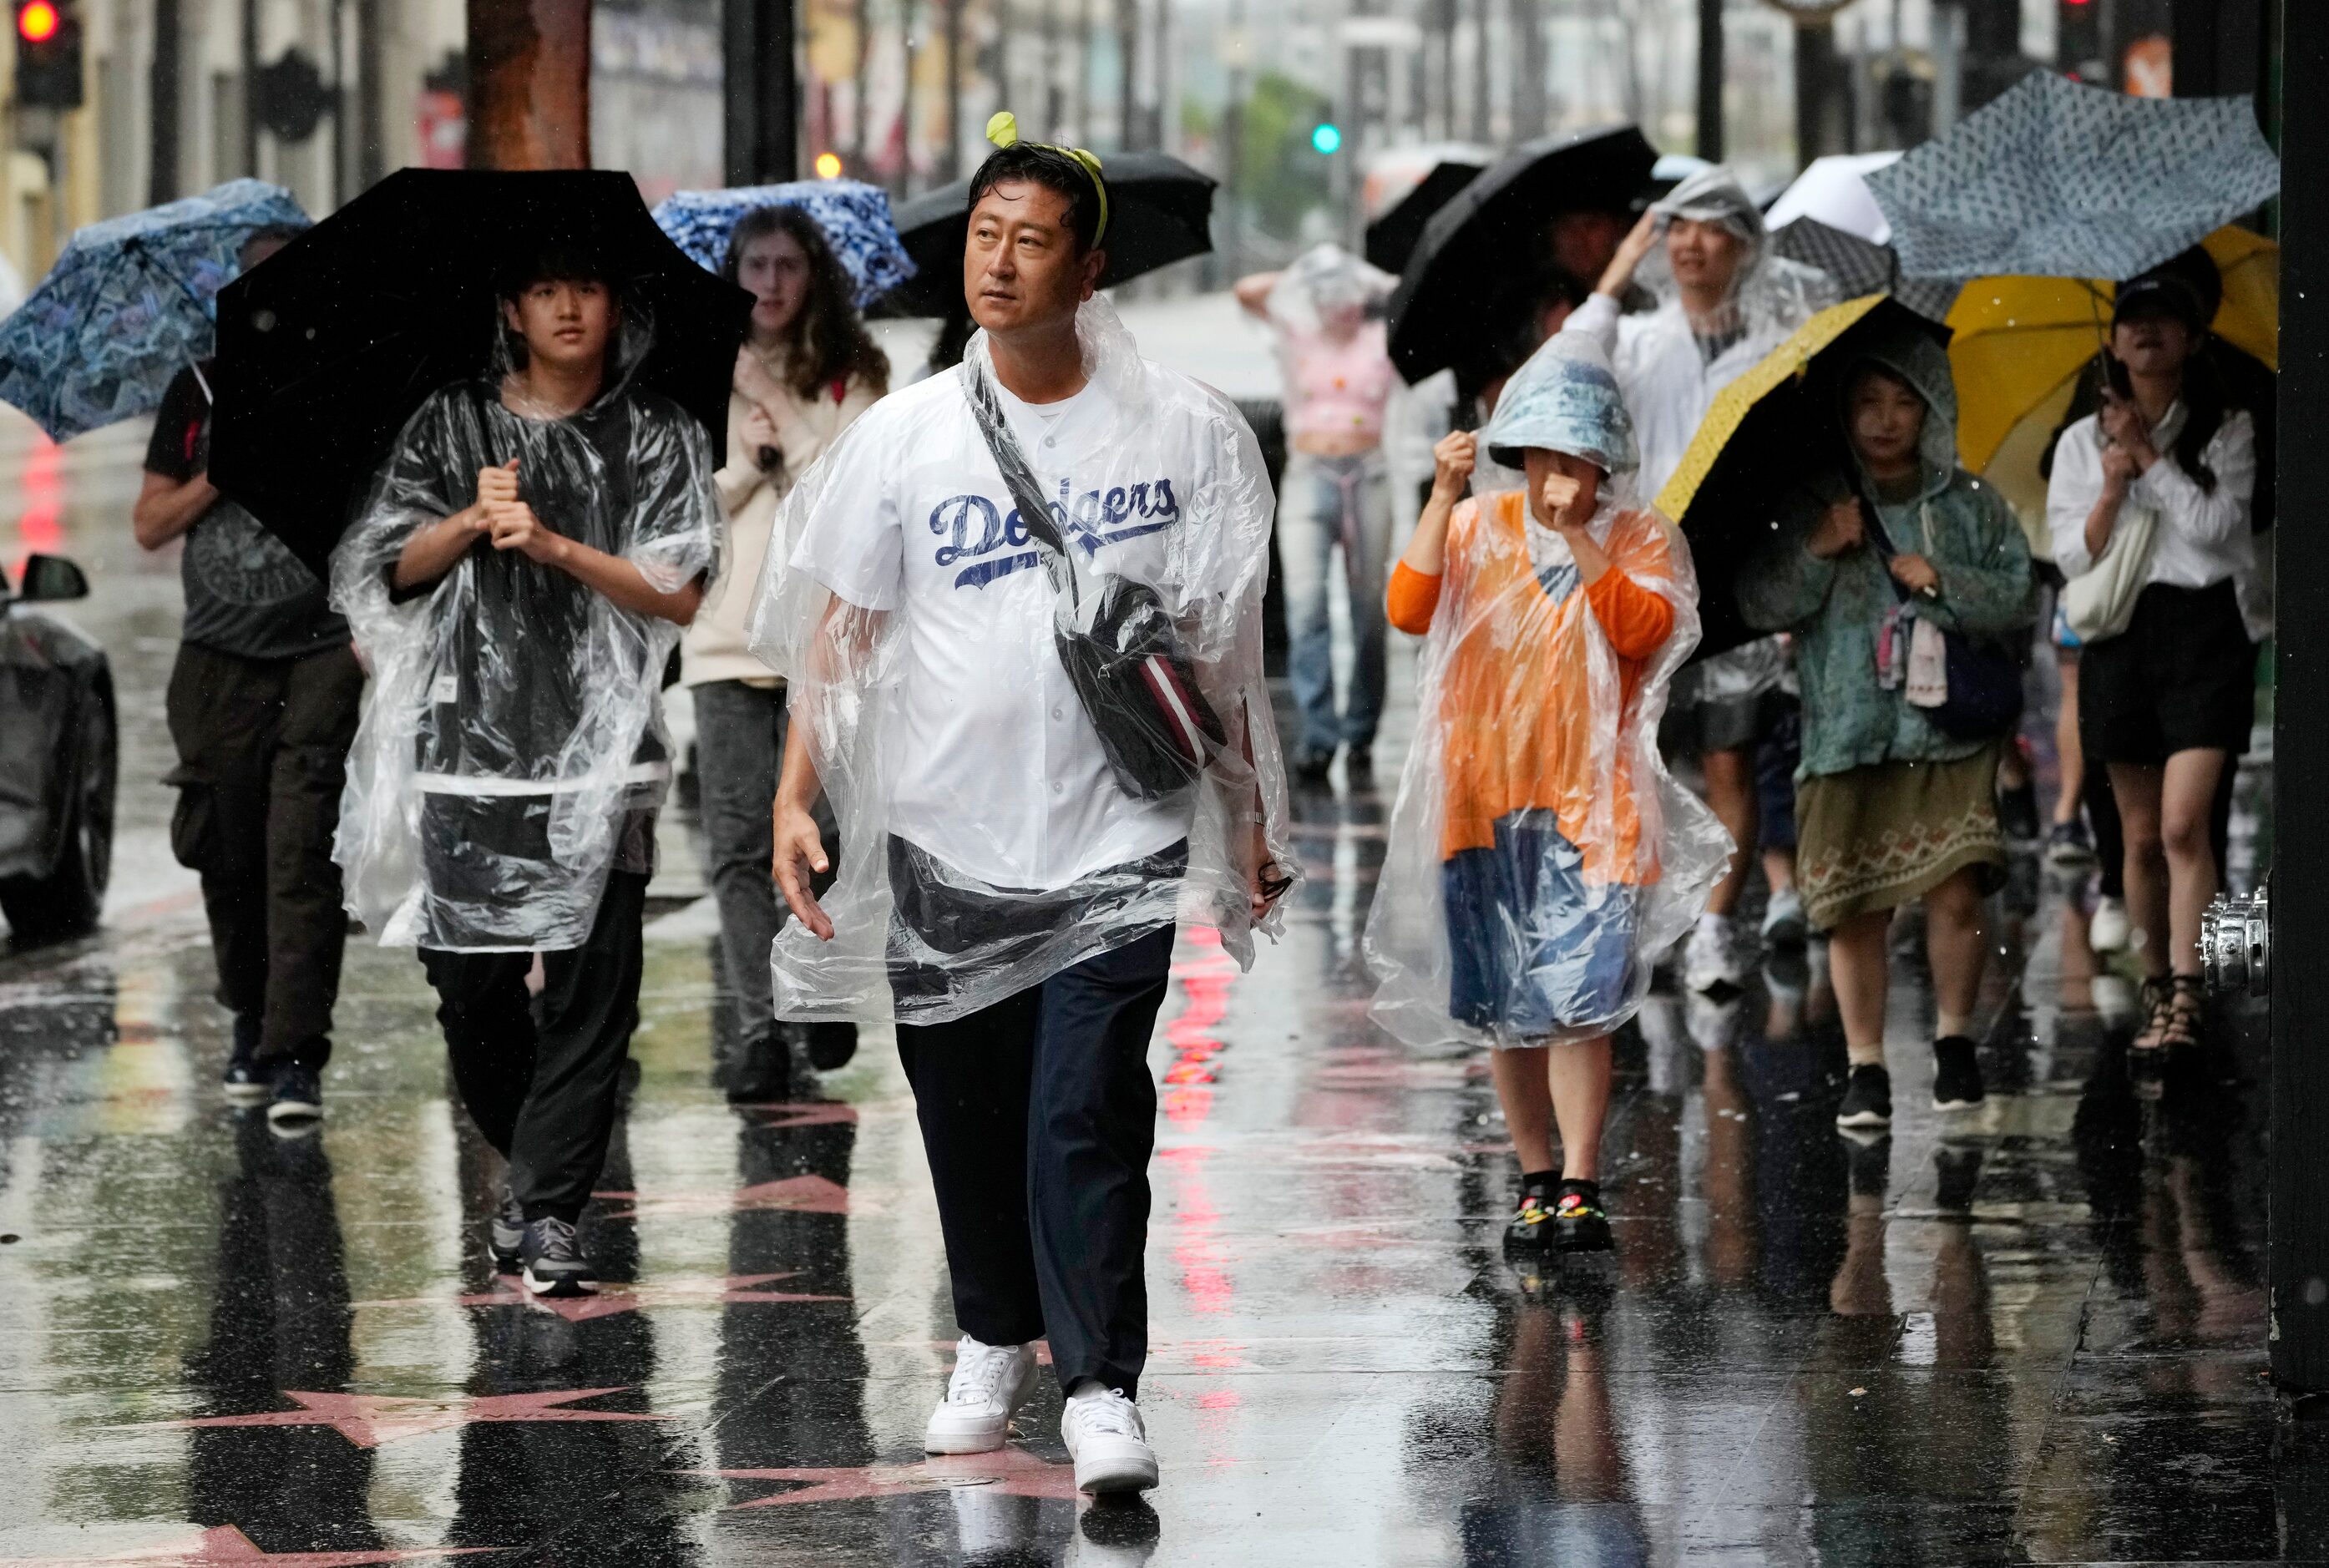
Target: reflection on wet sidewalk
2033, 1333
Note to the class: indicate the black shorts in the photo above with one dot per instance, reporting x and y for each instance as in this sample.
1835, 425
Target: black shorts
2182, 677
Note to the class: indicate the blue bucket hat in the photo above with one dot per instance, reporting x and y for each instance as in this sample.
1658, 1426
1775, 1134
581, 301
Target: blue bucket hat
1565, 399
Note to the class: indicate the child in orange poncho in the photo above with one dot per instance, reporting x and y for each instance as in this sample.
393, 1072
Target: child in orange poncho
1539, 855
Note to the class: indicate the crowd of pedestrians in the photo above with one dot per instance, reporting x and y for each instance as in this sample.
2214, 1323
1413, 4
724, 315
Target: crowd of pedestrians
979, 711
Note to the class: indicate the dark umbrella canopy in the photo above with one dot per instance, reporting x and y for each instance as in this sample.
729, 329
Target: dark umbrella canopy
328, 348
1858, 265
1791, 433
1465, 287
1160, 210
1392, 238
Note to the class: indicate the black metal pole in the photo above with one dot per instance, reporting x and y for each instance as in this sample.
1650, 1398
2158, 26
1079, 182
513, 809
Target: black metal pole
760, 97
1710, 81
371, 157
2299, 1269
250, 87
162, 91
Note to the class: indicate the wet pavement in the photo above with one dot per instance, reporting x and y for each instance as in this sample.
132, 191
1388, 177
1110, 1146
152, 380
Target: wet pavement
2033, 1334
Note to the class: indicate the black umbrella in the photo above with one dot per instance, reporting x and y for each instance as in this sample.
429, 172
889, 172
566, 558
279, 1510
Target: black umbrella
1789, 435
1160, 210
1392, 238
1469, 281
328, 348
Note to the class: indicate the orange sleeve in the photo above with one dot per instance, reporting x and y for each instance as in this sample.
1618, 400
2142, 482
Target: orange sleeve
1413, 597
1635, 619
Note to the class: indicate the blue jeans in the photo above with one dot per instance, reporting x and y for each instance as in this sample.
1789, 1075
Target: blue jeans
1325, 503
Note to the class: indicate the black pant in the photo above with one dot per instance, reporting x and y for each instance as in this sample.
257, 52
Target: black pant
262, 755
540, 1075
1039, 1116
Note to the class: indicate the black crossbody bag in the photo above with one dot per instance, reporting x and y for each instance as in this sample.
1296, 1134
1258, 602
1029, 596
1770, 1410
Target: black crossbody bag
1127, 663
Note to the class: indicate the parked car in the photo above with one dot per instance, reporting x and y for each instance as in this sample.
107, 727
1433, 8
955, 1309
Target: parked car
60, 749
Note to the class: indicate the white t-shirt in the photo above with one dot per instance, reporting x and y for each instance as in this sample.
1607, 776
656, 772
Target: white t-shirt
998, 773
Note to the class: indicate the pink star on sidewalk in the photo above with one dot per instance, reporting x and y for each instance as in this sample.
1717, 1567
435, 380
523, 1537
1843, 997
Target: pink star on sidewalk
798, 1193
226, 1544
609, 1300
1012, 1472
774, 1115
368, 1420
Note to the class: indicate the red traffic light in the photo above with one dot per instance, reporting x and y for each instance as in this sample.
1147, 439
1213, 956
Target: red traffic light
37, 22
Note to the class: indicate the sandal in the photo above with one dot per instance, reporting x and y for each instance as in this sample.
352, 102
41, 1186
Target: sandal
2158, 1005
2175, 1009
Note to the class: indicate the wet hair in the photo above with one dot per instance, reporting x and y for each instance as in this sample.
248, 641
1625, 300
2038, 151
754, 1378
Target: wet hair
554, 261
1864, 370
827, 341
1054, 170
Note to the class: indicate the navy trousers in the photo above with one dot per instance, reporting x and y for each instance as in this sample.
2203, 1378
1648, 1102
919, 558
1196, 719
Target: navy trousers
1039, 1116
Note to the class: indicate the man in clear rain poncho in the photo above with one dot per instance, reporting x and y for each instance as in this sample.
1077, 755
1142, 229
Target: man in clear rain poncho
1724, 301
534, 544
1325, 312
1541, 858
1036, 703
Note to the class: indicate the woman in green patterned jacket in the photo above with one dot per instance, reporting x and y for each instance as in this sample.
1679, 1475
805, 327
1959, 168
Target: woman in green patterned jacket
1889, 808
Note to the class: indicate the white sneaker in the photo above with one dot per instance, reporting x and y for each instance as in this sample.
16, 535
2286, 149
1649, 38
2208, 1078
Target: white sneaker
1105, 1437
2106, 930
989, 1385
1711, 959
1783, 919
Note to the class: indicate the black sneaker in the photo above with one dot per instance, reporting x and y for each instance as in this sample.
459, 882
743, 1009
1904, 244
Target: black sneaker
1957, 1075
298, 1095
1579, 1224
829, 1045
762, 1072
1867, 1099
506, 1233
1359, 762
247, 1081
1312, 768
2069, 846
553, 1260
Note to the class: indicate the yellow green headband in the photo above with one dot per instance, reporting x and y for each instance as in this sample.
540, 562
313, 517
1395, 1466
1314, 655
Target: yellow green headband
1003, 130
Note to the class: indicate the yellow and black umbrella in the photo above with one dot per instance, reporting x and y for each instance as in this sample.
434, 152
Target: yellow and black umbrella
1765, 434
2020, 346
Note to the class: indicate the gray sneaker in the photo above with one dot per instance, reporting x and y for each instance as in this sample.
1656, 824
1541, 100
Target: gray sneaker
553, 1260
506, 1233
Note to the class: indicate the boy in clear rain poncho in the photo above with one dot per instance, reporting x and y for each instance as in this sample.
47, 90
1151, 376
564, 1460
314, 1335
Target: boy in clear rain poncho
1040, 762
534, 542
1541, 858
1724, 301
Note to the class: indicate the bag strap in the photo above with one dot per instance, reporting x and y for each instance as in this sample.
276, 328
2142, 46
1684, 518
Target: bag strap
1019, 479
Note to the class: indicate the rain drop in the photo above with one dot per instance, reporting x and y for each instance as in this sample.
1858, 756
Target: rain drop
262, 320
2317, 1290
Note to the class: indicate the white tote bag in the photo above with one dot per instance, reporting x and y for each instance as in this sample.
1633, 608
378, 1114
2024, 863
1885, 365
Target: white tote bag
2099, 602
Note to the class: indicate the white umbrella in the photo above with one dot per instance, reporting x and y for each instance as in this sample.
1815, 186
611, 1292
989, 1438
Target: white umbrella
1834, 191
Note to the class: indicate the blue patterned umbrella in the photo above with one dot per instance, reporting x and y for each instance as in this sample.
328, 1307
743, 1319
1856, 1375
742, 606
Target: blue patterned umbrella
855, 216
130, 302
2056, 180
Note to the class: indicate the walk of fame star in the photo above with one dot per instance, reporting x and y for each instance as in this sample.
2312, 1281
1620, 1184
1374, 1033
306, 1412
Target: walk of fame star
608, 1301
1012, 1472
368, 1420
226, 1544
798, 1194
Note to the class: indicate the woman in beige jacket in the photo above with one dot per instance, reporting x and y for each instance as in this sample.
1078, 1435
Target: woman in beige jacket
807, 369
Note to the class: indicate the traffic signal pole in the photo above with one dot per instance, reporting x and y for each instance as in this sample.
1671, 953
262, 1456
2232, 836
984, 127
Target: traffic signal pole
760, 90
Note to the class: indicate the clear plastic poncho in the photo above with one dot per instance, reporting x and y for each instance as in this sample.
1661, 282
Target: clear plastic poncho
1321, 280
512, 749
985, 841
1541, 858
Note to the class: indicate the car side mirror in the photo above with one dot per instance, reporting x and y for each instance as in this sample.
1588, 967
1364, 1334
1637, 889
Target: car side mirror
50, 578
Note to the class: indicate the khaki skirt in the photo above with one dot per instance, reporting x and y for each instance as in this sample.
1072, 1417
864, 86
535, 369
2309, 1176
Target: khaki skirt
1870, 839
